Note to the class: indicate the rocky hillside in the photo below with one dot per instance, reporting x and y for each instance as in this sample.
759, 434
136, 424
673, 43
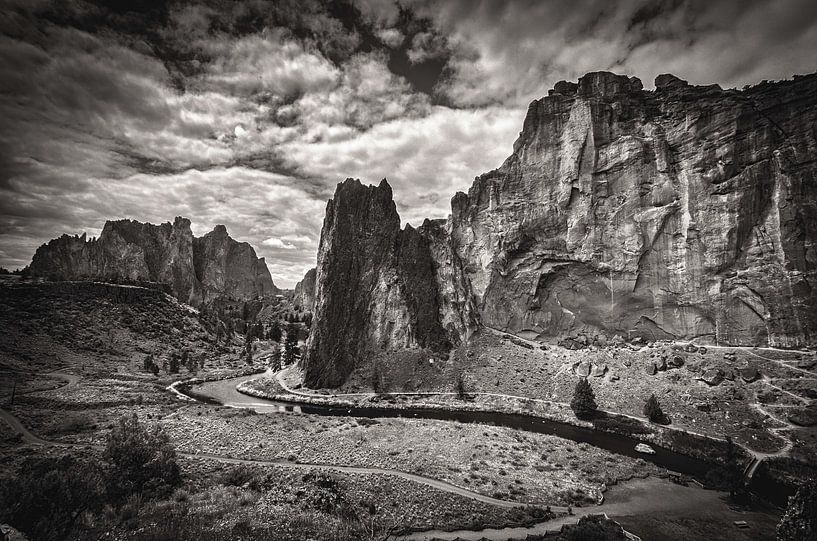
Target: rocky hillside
197, 270
683, 212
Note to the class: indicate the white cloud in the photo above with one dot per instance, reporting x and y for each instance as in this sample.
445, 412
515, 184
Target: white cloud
426, 159
391, 37
270, 62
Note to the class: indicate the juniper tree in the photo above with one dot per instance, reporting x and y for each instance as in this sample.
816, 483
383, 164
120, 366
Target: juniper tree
583, 403
275, 331
653, 411
291, 350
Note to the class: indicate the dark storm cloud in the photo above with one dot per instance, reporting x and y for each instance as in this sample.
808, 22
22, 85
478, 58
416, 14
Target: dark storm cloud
248, 113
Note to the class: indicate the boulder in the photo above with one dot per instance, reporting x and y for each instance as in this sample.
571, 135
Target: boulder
804, 417
676, 362
598, 370
583, 369
661, 364
712, 377
651, 369
749, 374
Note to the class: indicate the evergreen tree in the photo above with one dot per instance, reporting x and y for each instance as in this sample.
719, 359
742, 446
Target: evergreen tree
151, 366
653, 411
275, 331
583, 403
291, 349
174, 363
462, 387
275, 358
800, 519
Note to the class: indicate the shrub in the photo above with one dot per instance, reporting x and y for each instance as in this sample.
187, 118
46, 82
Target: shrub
800, 519
140, 461
48, 495
462, 387
653, 411
583, 403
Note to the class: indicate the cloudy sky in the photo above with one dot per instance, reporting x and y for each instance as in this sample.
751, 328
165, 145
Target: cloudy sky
249, 113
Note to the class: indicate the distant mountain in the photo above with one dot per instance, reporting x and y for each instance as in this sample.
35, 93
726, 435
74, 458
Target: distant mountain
682, 212
197, 270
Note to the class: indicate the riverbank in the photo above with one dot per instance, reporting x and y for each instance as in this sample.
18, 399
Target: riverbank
761, 521
710, 452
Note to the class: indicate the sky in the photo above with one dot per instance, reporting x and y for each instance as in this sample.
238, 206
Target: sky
248, 113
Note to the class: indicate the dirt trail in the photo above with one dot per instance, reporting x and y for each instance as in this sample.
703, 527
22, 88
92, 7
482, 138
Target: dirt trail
71, 380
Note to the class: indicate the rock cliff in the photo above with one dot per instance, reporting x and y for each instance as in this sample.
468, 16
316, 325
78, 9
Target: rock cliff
683, 212
197, 270
305, 290
228, 268
377, 286
686, 212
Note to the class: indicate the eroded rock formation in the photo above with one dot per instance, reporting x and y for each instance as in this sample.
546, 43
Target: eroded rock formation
683, 212
197, 270
377, 286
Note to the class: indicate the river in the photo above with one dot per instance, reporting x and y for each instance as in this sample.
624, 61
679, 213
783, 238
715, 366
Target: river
676, 511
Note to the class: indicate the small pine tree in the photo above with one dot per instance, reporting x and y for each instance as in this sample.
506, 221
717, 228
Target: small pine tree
800, 519
173, 367
583, 403
462, 387
275, 331
653, 411
150, 365
291, 349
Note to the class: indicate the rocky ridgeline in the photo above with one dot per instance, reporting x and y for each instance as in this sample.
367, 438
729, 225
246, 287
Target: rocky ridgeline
197, 270
683, 212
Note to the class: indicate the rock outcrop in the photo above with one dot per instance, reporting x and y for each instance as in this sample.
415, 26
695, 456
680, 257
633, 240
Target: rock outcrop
228, 268
684, 212
679, 213
304, 295
197, 270
379, 287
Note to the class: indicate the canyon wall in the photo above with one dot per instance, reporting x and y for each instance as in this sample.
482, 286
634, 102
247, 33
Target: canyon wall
197, 270
685, 212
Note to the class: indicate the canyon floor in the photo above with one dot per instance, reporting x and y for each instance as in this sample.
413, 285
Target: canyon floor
76, 369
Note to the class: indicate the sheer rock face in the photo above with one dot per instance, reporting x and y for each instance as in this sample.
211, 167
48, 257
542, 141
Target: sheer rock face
377, 287
305, 290
685, 212
196, 270
228, 268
